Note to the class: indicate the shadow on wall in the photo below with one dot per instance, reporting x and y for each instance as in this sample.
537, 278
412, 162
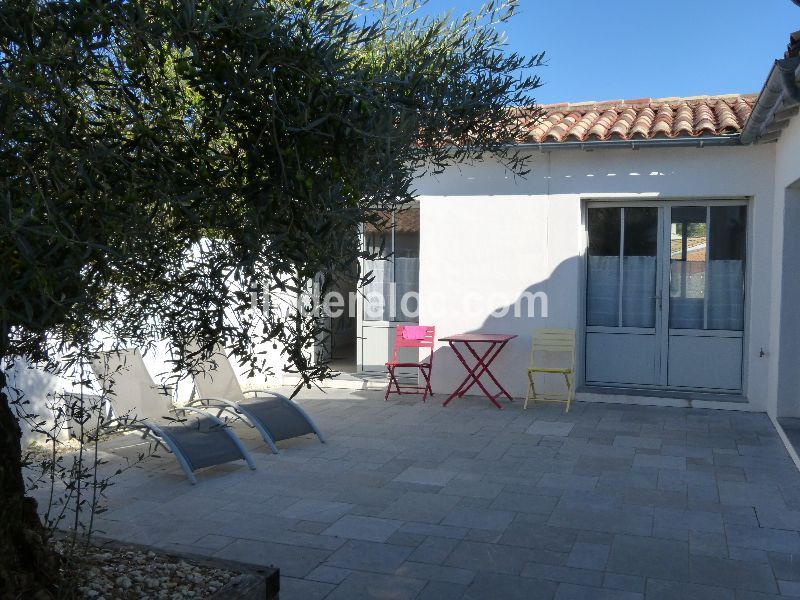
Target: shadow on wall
551, 303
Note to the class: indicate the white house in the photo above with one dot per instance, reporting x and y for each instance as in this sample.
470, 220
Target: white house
663, 231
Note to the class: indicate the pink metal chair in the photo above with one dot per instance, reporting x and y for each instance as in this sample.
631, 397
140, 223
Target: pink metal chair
412, 336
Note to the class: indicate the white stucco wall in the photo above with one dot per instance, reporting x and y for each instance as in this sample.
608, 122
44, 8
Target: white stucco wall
483, 231
783, 394
38, 394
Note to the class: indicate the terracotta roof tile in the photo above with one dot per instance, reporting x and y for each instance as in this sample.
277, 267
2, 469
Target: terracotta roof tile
644, 122
663, 125
603, 124
643, 118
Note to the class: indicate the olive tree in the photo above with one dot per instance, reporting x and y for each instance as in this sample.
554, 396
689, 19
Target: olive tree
159, 157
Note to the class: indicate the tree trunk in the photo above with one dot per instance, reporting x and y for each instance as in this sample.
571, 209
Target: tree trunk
28, 568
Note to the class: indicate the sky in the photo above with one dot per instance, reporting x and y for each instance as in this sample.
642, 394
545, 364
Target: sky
626, 49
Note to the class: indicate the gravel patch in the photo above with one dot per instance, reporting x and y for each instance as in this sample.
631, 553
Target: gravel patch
136, 574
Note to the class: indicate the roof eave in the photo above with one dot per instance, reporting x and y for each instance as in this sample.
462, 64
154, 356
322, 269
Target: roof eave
772, 98
695, 142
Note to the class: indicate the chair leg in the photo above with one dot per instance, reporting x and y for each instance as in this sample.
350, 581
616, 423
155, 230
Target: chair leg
568, 379
389, 387
531, 393
426, 375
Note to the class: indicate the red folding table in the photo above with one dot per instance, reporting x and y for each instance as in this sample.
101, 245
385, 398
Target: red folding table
494, 344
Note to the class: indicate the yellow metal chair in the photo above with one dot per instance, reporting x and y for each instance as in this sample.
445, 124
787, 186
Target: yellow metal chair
555, 341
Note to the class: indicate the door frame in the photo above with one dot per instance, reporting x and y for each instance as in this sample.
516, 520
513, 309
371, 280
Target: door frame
655, 200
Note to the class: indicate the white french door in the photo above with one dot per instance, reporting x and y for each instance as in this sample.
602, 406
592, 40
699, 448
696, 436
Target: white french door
665, 295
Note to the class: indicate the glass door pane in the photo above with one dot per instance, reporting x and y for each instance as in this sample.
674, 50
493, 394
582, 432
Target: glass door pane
602, 301
687, 281
707, 267
639, 267
726, 268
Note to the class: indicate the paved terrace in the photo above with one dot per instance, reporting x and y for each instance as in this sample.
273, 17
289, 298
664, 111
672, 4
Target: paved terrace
412, 500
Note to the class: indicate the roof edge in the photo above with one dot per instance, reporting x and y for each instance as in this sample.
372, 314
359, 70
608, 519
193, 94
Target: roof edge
696, 142
772, 96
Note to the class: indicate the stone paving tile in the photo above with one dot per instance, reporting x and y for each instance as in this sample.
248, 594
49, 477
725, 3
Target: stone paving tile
442, 590
294, 561
737, 574
474, 503
539, 536
369, 495
692, 520
493, 585
655, 497
602, 465
785, 566
435, 477
571, 591
588, 556
738, 493
434, 550
708, 544
789, 588
426, 529
748, 554
582, 515
370, 529
566, 481
760, 538
376, 586
562, 574
494, 558
307, 540
369, 556
631, 441
309, 527
672, 590
327, 574
213, 541
625, 583
557, 428
649, 557
526, 503
479, 518
316, 510
659, 462
292, 587
472, 489
400, 538
421, 507
431, 572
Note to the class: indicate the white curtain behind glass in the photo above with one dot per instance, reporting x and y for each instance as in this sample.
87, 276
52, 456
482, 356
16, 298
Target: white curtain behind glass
687, 280
376, 293
725, 290
602, 302
407, 280
639, 291
726, 294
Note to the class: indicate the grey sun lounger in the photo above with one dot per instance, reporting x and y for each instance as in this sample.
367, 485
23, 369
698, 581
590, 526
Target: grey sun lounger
199, 441
273, 415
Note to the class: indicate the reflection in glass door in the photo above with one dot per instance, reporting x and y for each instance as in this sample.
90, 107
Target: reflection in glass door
665, 295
